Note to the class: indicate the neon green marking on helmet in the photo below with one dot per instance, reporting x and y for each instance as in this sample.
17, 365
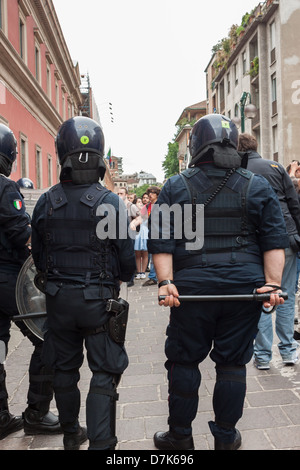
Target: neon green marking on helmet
225, 125
84, 140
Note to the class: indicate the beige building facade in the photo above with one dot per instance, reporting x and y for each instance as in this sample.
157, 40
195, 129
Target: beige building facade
185, 123
264, 65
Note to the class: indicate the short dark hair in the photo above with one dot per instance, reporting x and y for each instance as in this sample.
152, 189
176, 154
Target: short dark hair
247, 142
153, 189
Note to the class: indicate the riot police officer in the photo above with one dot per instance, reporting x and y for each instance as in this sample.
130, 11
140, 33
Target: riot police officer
15, 233
80, 270
244, 241
25, 183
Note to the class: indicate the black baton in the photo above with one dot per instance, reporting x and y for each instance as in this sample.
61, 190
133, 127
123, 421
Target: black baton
29, 316
225, 298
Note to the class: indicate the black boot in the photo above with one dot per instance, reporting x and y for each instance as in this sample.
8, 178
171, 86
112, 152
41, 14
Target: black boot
235, 445
170, 441
73, 440
36, 422
9, 423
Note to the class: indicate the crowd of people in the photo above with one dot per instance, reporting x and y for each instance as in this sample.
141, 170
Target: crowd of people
139, 210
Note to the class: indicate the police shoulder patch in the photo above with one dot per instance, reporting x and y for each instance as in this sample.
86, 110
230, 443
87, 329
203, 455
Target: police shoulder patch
17, 204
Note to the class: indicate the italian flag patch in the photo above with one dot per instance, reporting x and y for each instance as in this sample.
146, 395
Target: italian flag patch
18, 204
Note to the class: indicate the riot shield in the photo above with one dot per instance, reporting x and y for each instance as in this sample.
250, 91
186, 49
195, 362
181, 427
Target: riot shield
30, 300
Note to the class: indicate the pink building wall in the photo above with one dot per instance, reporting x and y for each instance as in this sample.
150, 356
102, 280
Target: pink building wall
34, 116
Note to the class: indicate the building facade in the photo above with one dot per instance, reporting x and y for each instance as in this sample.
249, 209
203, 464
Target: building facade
262, 63
185, 123
39, 85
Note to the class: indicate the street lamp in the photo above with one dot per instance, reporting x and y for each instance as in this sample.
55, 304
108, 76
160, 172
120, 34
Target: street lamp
248, 111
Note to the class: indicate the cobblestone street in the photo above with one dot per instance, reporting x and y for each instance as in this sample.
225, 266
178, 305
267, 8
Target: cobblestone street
271, 419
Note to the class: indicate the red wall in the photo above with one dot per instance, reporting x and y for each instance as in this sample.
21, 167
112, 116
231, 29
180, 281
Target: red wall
21, 121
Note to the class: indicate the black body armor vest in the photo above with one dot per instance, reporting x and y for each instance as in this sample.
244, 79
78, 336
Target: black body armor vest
72, 246
227, 229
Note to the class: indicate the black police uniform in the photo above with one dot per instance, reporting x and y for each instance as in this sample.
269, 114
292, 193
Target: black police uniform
242, 219
81, 273
14, 233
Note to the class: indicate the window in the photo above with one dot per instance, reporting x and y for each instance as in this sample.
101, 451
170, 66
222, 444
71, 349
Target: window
38, 166
236, 110
49, 81
3, 16
244, 56
56, 95
23, 156
22, 38
274, 94
49, 170
2, 95
235, 71
58, 168
222, 96
63, 106
22, 33
275, 143
228, 83
273, 41
37, 63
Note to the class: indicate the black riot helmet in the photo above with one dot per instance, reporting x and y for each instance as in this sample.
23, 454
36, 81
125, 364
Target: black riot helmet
79, 135
25, 183
8, 144
209, 130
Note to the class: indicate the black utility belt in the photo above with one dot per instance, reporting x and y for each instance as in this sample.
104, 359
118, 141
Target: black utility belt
215, 258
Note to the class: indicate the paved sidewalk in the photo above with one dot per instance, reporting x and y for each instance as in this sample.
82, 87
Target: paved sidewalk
271, 419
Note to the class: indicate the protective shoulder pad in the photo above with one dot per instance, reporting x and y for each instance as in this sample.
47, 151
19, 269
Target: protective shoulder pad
57, 196
245, 173
94, 195
189, 172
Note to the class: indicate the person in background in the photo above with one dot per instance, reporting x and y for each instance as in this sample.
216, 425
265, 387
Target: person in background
293, 170
282, 184
133, 213
153, 193
140, 224
132, 198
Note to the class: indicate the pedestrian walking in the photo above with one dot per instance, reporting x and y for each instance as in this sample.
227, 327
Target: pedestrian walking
81, 263
243, 250
285, 314
15, 237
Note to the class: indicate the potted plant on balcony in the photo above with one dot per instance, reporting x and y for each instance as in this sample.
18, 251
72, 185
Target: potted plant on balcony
245, 20
233, 37
254, 67
240, 31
